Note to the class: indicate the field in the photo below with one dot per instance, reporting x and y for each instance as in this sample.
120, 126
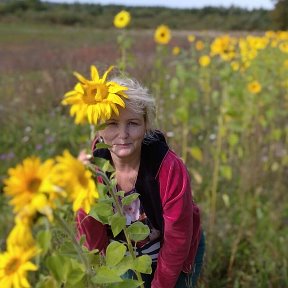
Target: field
222, 102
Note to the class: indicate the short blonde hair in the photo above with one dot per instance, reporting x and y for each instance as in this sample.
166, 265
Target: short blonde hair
139, 100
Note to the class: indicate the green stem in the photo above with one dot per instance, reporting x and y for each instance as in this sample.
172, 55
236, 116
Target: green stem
113, 191
77, 247
184, 141
215, 175
92, 132
123, 59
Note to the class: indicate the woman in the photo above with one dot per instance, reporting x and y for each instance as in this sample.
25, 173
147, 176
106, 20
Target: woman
144, 164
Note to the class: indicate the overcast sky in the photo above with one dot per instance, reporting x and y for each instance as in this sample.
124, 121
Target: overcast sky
249, 4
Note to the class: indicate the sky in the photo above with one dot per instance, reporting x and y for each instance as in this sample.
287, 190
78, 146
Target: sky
248, 4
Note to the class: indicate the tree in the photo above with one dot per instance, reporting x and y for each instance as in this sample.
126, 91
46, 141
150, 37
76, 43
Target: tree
280, 14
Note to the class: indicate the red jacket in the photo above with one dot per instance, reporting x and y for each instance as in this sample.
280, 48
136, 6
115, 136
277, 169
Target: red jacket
181, 223
164, 186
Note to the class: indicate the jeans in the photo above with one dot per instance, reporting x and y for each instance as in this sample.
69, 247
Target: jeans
185, 280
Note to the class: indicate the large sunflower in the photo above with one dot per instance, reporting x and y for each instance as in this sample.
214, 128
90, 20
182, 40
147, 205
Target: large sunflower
27, 186
14, 266
77, 181
95, 98
162, 34
122, 19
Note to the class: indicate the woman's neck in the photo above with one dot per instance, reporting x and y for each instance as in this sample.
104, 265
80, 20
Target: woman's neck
126, 164
126, 172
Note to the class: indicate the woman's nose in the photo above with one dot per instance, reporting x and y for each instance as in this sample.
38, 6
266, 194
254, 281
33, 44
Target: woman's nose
124, 131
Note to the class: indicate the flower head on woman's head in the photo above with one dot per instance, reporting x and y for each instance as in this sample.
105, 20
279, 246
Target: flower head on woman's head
122, 19
95, 99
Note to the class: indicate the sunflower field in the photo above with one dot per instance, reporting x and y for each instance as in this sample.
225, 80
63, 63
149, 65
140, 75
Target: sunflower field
222, 102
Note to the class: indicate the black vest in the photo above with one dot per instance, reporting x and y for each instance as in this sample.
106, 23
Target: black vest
153, 151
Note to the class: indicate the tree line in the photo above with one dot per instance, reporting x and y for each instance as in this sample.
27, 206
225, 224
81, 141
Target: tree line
101, 16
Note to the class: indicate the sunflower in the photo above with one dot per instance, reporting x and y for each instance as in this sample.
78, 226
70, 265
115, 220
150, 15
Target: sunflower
14, 266
122, 19
20, 235
77, 181
199, 45
27, 183
162, 35
176, 50
235, 65
284, 47
204, 60
191, 38
94, 99
254, 87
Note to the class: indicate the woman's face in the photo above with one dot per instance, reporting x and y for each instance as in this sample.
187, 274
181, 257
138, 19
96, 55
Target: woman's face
125, 133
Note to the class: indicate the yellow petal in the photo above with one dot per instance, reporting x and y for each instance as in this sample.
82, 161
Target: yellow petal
94, 73
80, 77
116, 99
106, 73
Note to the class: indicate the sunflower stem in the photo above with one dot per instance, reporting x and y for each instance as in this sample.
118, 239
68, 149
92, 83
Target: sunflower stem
113, 191
78, 248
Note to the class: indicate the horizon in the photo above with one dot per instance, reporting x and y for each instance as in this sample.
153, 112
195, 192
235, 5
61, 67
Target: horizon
177, 4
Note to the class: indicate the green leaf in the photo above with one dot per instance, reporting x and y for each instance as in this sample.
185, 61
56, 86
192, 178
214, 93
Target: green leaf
103, 164
67, 249
102, 190
127, 283
115, 253
102, 211
124, 265
76, 273
44, 240
59, 267
47, 282
117, 223
127, 200
106, 275
138, 231
174, 85
233, 139
226, 171
226, 200
196, 153
120, 193
142, 264
190, 95
102, 146
182, 114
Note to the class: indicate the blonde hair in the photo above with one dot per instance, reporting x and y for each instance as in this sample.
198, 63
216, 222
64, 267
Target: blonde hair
139, 100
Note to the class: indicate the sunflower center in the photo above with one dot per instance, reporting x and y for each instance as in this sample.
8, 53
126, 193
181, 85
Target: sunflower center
83, 180
162, 35
12, 266
95, 93
34, 185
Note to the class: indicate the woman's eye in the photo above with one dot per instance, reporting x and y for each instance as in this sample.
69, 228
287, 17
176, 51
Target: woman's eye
111, 123
133, 123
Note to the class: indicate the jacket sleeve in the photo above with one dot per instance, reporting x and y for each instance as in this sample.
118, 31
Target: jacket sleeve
176, 195
94, 231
